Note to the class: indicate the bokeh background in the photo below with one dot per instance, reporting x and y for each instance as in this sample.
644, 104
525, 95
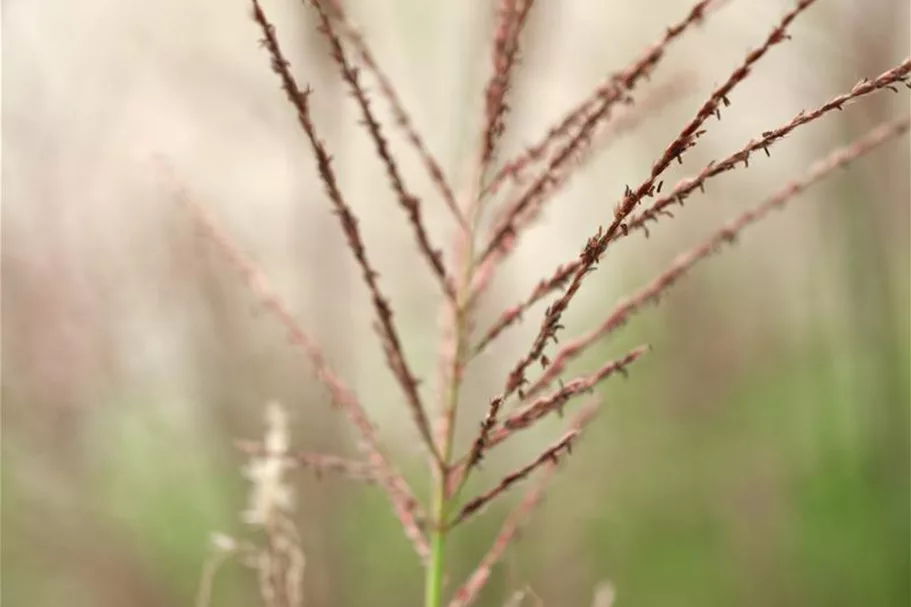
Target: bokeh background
758, 456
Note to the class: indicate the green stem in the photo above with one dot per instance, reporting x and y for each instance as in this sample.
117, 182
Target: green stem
433, 589
435, 567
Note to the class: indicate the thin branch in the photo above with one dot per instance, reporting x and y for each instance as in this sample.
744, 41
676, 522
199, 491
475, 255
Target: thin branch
386, 328
513, 14
528, 416
537, 410
403, 502
597, 244
356, 39
514, 313
685, 187
319, 463
556, 401
505, 230
551, 455
726, 235
468, 592
627, 121
608, 93
458, 324
410, 203
886, 80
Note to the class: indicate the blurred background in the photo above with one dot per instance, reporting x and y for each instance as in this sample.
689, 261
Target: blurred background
759, 455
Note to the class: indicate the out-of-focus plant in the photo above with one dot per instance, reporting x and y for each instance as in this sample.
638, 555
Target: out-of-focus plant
490, 212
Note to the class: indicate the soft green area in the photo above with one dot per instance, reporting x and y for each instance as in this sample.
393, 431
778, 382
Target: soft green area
790, 490
748, 507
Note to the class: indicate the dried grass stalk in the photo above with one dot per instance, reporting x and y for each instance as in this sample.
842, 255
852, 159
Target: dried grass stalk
564, 150
403, 501
469, 590
680, 192
399, 114
639, 69
389, 337
409, 202
652, 292
597, 244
